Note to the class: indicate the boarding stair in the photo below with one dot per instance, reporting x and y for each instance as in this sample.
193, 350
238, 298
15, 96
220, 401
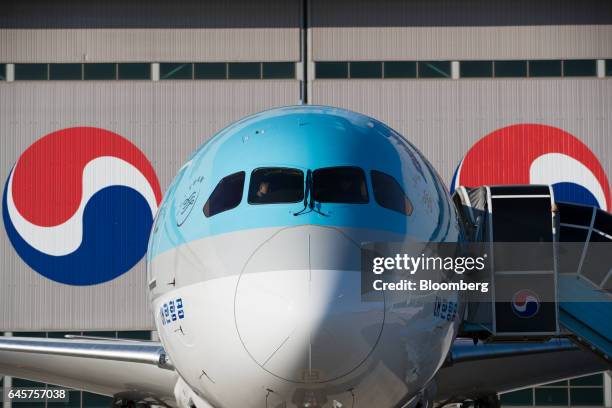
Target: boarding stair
555, 255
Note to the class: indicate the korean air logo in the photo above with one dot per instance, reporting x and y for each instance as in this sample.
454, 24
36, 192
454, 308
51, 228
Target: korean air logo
79, 204
525, 303
536, 154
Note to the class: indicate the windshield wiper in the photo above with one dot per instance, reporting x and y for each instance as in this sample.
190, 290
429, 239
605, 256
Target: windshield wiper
313, 208
309, 201
307, 187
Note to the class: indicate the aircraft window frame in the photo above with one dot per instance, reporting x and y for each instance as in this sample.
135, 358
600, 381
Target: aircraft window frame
364, 179
249, 191
396, 184
219, 184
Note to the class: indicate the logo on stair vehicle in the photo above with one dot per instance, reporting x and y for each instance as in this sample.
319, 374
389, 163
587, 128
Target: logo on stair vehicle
525, 303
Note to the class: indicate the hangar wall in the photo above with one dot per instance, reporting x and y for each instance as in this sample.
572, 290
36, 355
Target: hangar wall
148, 45
149, 31
167, 119
362, 30
460, 43
444, 118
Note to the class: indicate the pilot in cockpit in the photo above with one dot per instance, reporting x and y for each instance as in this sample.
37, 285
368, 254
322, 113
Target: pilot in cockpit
263, 189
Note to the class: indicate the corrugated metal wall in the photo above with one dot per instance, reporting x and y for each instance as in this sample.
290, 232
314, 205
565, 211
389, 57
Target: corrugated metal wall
461, 43
355, 30
96, 14
453, 13
443, 118
149, 45
167, 121
150, 31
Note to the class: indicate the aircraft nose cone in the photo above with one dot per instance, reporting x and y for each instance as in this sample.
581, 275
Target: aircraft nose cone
298, 306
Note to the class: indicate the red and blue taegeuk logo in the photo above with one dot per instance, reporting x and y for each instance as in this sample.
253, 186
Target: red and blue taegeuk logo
536, 154
79, 204
525, 303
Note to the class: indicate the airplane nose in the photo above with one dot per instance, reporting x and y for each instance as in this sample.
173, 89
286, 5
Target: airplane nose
298, 307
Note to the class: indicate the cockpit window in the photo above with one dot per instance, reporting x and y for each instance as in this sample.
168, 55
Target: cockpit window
226, 195
389, 194
340, 185
275, 185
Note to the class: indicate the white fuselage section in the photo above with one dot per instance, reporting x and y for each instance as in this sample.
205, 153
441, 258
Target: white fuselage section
289, 325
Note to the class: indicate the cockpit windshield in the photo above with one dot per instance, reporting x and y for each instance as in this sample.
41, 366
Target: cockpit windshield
340, 185
227, 195
389, 194
275, 185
